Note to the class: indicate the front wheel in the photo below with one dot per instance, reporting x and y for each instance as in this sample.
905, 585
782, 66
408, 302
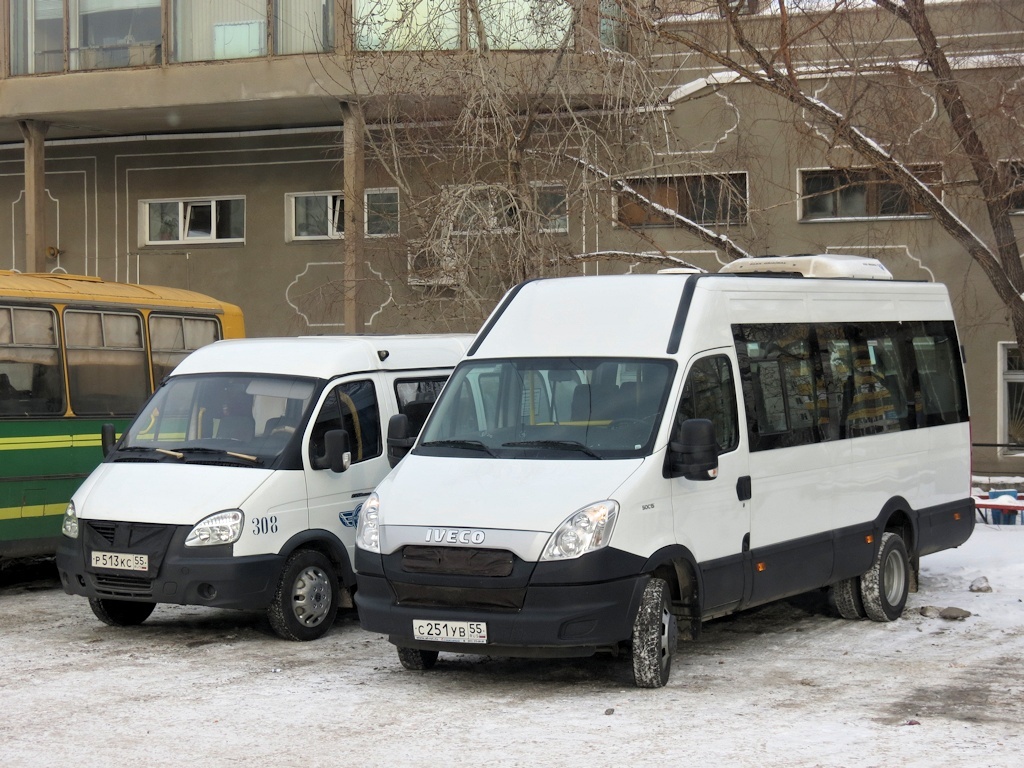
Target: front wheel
415, 659
306, 601
846, 594
655, 634
121, 613
885, 586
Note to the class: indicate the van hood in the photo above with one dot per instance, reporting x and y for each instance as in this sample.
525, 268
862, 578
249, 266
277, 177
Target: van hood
165, 493
497, 494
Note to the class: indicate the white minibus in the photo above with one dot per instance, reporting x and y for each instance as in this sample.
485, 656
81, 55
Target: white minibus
239, 483
621, 458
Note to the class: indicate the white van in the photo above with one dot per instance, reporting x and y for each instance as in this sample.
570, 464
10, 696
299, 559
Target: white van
239, 483
622, 457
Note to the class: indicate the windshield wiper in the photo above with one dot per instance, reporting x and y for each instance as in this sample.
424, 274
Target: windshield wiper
561, 445
217, 451
472, 445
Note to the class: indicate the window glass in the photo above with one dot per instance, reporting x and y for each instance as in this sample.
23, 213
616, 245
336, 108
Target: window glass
522, 24
118, 33
397, 25
382, 212
173, 337
205, 30
810, 383
37, 37
317, 216
107, 367
553, 207
31, 382
562, 408
862, 193
304, 26
416, 397
351, 406
704, 198
710, 393
169, 221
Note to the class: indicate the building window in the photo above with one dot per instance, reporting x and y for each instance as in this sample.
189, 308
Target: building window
552, 207
1015, 181
315, 216
381, 212
861, 193
436, 25
704, 198
1012, 385
193, 221
303, 26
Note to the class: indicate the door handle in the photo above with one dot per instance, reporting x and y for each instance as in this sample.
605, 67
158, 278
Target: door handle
743, 492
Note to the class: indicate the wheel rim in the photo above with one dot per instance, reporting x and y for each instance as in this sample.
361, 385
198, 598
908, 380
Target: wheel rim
894, 576
311, 596
669, 631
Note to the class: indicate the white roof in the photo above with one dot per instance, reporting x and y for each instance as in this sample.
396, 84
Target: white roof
813, 265
327, 356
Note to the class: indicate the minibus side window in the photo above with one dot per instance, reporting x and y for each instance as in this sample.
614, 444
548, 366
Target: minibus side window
30, 372
416, 397
351, 406
710, 393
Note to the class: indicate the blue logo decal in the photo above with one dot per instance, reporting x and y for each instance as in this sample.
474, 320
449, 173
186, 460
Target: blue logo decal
350, 518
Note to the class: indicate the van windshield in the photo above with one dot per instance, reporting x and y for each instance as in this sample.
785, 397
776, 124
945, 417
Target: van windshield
544, 408
206, 418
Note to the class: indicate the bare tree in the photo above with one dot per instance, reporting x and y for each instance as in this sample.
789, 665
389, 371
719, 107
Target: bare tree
858, 50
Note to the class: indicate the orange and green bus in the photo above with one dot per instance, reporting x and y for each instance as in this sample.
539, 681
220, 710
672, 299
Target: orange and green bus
77, 352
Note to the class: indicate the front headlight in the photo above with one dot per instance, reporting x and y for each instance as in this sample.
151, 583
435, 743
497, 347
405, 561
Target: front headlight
368, 527
219, 528
583, 531
70, 525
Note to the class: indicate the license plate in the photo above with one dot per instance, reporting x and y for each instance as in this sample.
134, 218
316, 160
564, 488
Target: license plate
120, 562
450, 631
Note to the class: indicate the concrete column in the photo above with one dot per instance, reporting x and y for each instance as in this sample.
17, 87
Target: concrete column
354, 185
34, 132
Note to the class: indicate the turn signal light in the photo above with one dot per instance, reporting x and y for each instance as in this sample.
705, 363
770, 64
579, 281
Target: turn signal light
869, 539
762, 567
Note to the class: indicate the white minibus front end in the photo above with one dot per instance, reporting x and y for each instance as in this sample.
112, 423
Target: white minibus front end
239, 483
619, 459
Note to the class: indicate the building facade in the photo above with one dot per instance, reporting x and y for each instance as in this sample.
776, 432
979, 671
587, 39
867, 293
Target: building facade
242, 149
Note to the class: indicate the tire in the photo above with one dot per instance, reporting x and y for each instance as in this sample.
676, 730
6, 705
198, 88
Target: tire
884, 588
306, 601
415, 659
655, 634
121, 613
846, 594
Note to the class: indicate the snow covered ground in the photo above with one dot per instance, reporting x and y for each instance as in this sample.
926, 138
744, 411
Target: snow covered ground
784, 685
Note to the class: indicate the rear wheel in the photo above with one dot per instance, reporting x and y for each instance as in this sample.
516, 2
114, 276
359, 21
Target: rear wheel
655, 634
846, 594
306, 601
884, 588
120, 613
415, 659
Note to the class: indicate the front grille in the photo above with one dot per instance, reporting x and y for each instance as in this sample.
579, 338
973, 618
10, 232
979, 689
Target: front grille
459, 597
122, 586
457, 561
104, 529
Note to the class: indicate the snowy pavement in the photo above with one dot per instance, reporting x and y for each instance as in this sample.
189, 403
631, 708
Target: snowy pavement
783, 685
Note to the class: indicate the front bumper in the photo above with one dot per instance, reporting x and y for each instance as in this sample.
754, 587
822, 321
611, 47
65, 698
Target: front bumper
546, 617
209, 576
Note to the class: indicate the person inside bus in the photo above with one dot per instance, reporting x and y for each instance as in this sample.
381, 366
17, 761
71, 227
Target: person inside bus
236, 421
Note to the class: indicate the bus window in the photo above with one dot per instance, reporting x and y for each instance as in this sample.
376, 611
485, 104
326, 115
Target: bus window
173, 337
106, 362
30, 375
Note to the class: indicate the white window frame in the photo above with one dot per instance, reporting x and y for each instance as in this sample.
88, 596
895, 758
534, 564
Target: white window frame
335, 223
184, 212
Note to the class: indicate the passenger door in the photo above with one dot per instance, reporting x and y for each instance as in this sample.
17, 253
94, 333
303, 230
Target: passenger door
712, 517
354, 405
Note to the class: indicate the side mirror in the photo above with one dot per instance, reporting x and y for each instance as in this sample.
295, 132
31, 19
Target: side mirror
337, 452
695, 454
108, 439
400, 438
